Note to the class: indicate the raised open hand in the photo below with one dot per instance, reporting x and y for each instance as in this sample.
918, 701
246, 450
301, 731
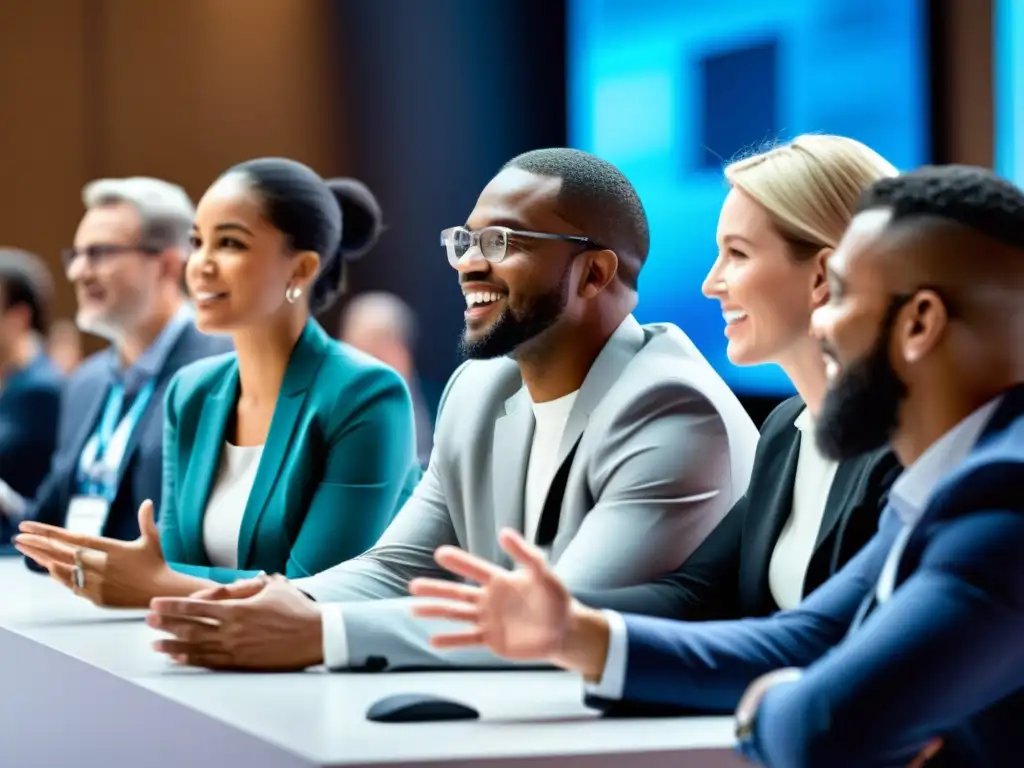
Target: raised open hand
125, 574
522, 614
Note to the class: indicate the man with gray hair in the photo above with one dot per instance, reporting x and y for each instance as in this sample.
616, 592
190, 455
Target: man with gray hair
126, 265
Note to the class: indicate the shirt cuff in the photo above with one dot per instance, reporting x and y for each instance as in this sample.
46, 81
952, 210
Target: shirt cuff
335, 639
613, 677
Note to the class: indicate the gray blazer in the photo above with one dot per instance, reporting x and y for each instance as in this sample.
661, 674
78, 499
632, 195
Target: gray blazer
664, 451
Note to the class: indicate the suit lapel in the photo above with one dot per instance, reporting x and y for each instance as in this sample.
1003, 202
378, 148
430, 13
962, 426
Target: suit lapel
204, 462
510, 457
618, 351
621, 347
841, 498
96, 402
307, 356
93, 399
170, 367
889, 528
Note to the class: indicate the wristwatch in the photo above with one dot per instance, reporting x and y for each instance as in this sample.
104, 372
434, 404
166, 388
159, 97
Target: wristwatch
744, 726
750, 704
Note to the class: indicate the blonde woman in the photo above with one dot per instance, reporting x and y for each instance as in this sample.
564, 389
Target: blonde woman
803, 516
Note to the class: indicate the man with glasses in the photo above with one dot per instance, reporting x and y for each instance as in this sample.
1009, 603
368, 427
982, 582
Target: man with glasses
614, 446
126, 266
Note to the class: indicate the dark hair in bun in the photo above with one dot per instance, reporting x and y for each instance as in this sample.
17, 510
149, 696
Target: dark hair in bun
340, 220
361, 217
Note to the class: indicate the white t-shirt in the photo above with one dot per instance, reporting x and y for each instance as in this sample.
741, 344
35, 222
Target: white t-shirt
550, 418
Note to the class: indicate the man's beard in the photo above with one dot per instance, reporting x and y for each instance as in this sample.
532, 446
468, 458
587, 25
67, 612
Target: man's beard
509, 331
107, 329
860, 411
113, 322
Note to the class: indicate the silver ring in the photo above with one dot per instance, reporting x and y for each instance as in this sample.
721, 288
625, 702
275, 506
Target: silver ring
78, 574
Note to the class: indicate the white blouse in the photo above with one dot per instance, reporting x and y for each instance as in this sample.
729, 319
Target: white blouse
226, 506
795, 546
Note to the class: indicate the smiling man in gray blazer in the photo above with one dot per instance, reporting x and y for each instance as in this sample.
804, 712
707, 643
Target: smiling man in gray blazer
614, 446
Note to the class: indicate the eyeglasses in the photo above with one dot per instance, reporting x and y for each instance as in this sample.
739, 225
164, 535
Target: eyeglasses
493, 241
97, 253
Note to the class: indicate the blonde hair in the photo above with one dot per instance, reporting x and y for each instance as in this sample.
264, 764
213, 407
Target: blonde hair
810, 186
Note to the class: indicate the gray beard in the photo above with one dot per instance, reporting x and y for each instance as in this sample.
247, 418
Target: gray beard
107, 330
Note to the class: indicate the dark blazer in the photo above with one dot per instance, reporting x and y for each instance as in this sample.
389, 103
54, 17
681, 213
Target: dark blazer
141, 470
942, 657
339, 460
29, 407
727, 576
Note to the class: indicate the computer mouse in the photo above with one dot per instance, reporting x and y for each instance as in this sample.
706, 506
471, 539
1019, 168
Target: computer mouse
418, 708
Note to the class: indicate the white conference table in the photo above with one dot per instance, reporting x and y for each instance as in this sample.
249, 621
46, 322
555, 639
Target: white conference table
81, 686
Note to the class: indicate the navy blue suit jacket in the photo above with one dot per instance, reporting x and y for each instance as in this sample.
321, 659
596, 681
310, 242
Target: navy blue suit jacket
943, 656
29, 406
141, 471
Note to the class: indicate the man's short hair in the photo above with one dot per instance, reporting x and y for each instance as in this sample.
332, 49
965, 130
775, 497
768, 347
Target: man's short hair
165, 209
599, 200
970, 196
25, 280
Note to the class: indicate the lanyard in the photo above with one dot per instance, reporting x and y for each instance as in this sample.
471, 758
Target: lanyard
104, 450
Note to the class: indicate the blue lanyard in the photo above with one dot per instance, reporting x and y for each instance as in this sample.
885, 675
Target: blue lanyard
112, 412
91, 469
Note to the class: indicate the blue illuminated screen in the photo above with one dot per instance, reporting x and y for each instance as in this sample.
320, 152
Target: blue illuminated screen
669, 91
1009, 89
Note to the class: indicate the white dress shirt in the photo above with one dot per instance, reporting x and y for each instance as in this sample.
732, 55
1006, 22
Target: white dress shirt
226, 506
794, 548
909, 497
549, 424
913, 489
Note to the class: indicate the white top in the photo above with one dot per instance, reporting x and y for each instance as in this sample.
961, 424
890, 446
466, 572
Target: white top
550, 419
795, 545
909, 496
226, 507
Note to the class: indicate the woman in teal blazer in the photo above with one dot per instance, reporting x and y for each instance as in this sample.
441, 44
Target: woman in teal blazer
336, 463
291, 454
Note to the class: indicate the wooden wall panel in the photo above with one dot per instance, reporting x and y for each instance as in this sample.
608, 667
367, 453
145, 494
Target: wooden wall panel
193, 86
43, 115
179, 89
971, 118
962, 72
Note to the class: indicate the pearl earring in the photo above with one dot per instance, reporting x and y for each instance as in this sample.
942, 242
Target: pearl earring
292, 294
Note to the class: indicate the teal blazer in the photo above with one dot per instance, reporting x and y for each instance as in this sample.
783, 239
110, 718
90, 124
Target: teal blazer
338, 462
